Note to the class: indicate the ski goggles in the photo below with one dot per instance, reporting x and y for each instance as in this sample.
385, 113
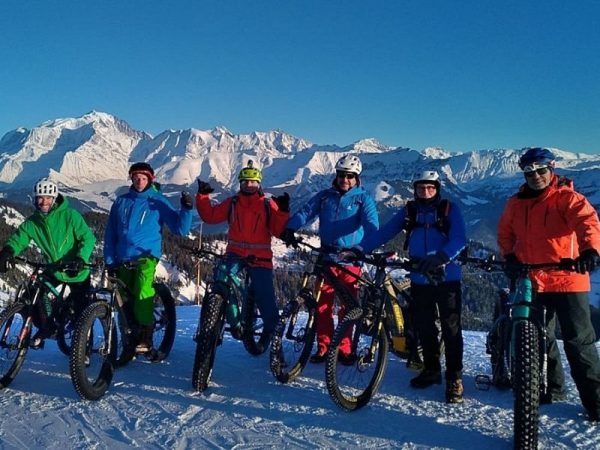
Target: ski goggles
530, 171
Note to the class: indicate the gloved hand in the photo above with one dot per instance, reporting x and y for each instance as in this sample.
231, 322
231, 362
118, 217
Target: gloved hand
352, 254
432, 262
288, 237
75, 266
587, 261
187, 201
512, 266
6, 259
204, 187
283, 202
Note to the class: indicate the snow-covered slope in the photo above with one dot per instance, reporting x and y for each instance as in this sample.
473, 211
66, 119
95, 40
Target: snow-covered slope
152, 406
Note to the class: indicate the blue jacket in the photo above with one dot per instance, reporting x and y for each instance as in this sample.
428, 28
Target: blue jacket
135, 225
343, 219
425, 240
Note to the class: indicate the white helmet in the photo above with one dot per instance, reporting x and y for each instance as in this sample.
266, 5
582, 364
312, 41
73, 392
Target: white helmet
427, 176
45, 187
349, 163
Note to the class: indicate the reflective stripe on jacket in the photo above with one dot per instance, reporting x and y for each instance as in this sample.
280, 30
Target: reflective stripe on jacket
559, 223
250, 230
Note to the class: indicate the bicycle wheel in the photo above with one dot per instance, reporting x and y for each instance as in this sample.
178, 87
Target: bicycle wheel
14, 341
255, 339
64, 334
208, 335
293, 340
526, 384
91, 362
352, 386
498, 347
165, 322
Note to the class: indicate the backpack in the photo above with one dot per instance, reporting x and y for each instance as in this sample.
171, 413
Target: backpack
410, 220
234, 200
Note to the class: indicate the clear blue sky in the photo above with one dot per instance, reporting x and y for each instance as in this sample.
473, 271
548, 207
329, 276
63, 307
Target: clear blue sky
463, 75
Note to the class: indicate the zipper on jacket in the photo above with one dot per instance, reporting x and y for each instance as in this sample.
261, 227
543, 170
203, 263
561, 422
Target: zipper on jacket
143, 216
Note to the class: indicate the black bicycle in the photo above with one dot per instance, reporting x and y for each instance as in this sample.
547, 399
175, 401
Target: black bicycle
107, 334
518, 350
294, 335
371, 326
40, 308
227, 295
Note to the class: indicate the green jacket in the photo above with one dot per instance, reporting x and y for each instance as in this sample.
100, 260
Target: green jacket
61, 235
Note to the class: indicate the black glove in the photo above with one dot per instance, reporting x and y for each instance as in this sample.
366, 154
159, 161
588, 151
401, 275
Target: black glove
288, 237
204, 187
512, 266
432, 262
6, 259
587, 261
187, 201
283, 202
75, 266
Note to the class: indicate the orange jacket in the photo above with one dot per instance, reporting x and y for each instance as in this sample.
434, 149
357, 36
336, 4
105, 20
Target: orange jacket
559, 223
249, 233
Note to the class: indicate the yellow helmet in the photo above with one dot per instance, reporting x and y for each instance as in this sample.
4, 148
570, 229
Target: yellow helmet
250, 173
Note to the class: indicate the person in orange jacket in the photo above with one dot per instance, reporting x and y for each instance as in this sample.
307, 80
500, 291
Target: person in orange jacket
547, 220
253, 220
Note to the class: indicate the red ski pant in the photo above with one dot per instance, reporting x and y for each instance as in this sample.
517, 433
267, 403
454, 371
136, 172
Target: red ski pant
325, 308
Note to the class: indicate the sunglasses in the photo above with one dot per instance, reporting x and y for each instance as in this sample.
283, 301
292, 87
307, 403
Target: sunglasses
540, 171
347, 175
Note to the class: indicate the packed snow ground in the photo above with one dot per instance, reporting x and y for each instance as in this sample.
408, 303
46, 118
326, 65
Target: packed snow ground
153, 406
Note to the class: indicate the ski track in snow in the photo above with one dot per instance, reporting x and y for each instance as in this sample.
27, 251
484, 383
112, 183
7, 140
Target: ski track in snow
153, 406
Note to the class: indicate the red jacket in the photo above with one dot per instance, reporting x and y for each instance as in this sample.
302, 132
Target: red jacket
249, 233
559, 223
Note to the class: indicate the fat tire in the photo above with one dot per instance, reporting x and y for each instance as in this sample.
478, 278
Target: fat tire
165, 321
16, 344
212, 318
92, 389
526, 386
362, 338
301, 342
255, 339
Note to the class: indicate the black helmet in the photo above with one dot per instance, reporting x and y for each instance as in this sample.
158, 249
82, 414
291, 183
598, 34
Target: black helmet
143, 168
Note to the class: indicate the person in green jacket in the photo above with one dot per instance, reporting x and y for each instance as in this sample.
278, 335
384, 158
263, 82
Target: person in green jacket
63, 236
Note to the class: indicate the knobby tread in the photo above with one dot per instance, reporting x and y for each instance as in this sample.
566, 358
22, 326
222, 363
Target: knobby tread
526, 386
6, 318
86, 388
207, 337
287, 372
353, 319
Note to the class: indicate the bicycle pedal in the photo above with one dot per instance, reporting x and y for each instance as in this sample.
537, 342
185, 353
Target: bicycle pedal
483, 382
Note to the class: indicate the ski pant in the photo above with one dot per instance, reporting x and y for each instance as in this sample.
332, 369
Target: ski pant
448, 298
572, 311
140, 282
325, 308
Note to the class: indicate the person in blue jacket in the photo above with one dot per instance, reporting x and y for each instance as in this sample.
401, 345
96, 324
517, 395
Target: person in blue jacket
436, 235
346, 212
134, 233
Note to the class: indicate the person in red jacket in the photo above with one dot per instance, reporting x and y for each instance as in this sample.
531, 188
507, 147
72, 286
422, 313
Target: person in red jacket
253, 220
547, 220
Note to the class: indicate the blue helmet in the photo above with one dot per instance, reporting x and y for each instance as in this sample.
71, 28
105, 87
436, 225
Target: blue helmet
535, 158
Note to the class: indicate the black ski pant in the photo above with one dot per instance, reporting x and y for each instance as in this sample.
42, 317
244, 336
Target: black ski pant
448, 299
572, 310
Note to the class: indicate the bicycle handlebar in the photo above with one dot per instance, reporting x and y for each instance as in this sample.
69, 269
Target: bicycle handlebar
204, 252
488, 263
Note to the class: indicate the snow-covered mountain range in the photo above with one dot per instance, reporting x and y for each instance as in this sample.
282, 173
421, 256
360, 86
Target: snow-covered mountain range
89, 156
